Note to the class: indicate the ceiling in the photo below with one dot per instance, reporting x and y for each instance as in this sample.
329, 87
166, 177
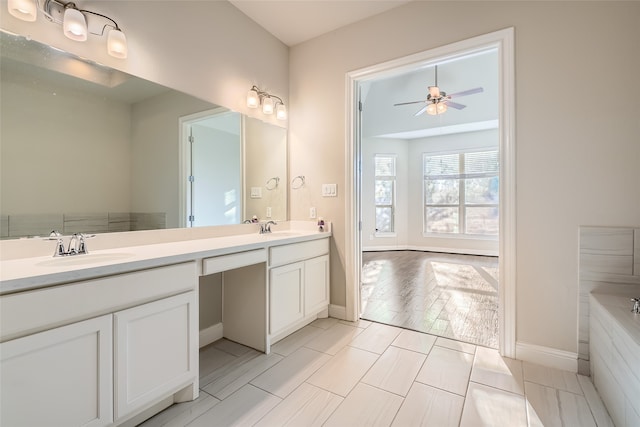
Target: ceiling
296, 21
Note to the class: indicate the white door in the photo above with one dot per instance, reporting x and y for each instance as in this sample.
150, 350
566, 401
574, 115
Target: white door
214, 183
61, 377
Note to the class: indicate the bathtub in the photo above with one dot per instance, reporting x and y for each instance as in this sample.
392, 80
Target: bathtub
614, 337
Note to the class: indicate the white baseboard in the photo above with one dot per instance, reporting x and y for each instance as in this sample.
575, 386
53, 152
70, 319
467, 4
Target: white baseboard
211, 334
338, 311
547, 356
483, 252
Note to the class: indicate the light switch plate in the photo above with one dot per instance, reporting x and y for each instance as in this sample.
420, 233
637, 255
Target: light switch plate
256, 192
329, 190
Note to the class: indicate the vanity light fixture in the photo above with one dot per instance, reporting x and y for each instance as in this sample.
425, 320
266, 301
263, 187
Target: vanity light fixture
25, 10
74, 22
270, 103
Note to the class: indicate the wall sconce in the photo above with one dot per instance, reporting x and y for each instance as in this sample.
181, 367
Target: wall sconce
73, 21
270, 103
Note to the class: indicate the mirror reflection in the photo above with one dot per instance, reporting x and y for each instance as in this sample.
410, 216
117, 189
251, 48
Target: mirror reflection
86, 148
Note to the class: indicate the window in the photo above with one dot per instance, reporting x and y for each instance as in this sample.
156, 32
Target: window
385, 188
461, 193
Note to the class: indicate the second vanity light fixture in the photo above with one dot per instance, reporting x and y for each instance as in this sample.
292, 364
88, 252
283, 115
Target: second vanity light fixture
74, 22
270, 103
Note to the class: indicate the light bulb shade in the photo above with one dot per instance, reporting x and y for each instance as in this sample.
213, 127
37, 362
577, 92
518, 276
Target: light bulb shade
267, 105
23, 9
281, 112
253, 99
434, 91
74, 24
432, 109
117, 44
441, 107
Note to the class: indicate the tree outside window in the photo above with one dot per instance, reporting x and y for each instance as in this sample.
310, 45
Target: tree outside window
461, 193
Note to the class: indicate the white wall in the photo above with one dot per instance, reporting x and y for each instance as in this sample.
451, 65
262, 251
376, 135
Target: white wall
86, 171
265, 158
576, 164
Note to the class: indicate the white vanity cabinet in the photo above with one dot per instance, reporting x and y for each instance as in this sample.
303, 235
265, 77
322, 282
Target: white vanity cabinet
286, 296
100, 351
154, 352
60, 377
298, 285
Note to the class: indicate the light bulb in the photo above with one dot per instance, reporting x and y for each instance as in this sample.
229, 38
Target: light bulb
117, 44
253, 99
267, 105
75, 25
441, 107
432, 110
281, 112
23, 9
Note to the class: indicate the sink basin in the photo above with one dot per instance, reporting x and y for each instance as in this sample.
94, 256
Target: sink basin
67, 261
281, 234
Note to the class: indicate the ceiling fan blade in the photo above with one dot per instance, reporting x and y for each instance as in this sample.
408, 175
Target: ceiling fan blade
466, 92
455, 105
420, 111
407, 103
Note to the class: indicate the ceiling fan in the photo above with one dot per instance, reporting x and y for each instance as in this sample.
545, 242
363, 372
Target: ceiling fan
437, 101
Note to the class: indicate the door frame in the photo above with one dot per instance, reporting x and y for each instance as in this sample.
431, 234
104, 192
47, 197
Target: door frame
503, 41
184, 157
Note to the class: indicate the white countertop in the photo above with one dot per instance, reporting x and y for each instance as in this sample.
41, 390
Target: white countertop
619, 308
36, 272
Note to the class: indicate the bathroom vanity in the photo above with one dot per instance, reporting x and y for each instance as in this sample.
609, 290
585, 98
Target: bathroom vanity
111, 337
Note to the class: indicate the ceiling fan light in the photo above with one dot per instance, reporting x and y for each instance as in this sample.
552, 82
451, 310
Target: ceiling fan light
23, 9
117, 44
441, 107
434, 91
74, 24
432, 110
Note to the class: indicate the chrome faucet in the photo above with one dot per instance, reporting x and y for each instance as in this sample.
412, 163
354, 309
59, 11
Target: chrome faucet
265, 227
77, 244
636, 305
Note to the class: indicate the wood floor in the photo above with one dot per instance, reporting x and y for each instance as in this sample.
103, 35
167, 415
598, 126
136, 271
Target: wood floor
452, 296
343, 374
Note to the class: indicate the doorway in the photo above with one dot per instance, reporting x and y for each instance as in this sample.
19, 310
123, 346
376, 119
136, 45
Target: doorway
357, 81
211, 181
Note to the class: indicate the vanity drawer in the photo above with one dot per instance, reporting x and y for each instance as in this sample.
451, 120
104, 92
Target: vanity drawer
286, 254
233, 261
29, 312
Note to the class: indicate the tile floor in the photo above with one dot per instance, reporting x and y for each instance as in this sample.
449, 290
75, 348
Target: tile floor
336, 373
449, 295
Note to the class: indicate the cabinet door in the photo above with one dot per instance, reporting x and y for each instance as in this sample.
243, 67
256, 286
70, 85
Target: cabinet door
285, 296
59, 377
316, 284
156, 351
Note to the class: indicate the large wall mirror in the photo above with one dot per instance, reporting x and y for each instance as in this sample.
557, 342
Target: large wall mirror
86, 148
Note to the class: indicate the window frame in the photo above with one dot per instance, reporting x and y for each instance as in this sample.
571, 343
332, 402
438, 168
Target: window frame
393, 206
461, 205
